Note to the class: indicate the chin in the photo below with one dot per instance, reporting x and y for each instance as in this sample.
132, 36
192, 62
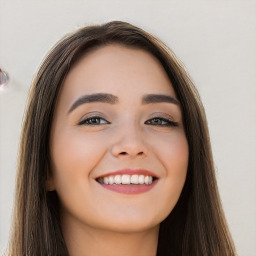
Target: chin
131, 227
130, 223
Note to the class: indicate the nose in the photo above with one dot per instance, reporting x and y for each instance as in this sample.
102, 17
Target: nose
129, 142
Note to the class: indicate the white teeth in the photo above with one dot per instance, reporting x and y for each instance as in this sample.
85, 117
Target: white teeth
126, 179
111, 180
135, 179
105, 180
141, 179
117, 179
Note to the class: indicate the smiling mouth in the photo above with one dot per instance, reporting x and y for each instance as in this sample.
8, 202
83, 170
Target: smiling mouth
126, 179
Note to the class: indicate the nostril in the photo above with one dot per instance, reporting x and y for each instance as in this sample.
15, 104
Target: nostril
125, 153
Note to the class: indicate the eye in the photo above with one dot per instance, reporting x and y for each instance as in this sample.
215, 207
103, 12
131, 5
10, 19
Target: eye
94, 120
160, 121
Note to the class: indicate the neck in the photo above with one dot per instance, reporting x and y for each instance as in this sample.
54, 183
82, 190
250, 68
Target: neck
89, 241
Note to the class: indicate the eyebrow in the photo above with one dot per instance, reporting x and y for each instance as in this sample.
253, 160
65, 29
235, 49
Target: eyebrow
159, 98
112, 99
97, 97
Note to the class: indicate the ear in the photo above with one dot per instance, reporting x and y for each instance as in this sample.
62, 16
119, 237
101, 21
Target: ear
49, 183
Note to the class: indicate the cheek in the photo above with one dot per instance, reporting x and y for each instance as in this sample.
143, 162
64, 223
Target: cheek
172, 151
176, 160
74, 157
174, 155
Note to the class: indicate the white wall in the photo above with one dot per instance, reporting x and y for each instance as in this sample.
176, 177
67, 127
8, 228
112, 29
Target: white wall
216, 40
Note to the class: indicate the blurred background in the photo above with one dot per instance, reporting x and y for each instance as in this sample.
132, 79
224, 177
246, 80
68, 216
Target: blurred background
216, 41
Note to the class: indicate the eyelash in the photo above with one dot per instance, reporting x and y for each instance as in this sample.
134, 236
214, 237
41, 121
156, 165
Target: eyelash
87, 120
90, 121
168, 122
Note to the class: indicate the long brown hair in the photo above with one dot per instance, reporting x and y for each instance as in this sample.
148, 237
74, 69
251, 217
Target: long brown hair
196, 226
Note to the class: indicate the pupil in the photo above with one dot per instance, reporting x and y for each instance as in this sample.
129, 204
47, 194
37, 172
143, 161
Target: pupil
94, 121
156, 121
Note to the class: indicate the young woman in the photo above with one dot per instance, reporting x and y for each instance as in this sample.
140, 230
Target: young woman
115, 156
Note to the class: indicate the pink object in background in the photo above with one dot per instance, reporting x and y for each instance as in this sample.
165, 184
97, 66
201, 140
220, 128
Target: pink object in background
4, 79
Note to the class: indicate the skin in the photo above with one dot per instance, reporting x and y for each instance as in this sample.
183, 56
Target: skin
97, 221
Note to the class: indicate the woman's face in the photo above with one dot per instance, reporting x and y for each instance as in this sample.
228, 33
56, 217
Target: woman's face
117, 117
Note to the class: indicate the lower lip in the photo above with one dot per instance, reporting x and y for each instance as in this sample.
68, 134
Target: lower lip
129, 189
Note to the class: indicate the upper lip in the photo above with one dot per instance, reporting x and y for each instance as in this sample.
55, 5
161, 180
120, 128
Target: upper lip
129, 171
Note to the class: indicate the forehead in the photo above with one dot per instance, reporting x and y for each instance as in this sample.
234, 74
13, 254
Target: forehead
119, 70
